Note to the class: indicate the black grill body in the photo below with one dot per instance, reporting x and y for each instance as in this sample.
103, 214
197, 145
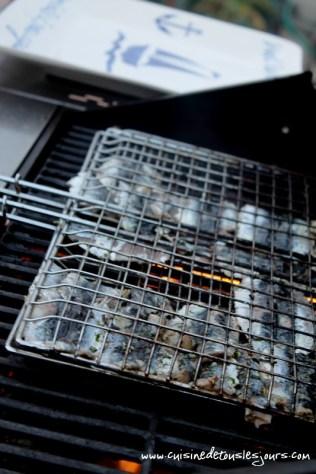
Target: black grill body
56, 419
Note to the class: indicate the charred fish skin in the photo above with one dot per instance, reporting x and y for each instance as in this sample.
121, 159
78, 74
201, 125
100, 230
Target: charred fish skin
104, 246
259, 383
91, 339
300, 243
261, 330
77, 299
246, 222
41, 332
304, 323
226, 253
282, 393
139, 318
188, 213
305, 387
170, 364
223, 373
99, 319
72, 314
183, 210
228, 218
138, 354
253, 313
135, 187
195, 327
262, 234
219, 378
142, 342
281, 236
186, 325
41, 328
114, 350
82, 184
283, 313
277, 264
257, 396
254, 225
216, 334
242, 303
222, 335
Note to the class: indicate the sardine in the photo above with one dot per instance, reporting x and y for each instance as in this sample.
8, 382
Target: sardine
83, 185
115, 168
128, 351
242, 301
167, 364
301, 242
228, 218
262, 232
64, 301
136, 188
41, 330
253, 313
138, 355
303, 323
140, 349
284, 330
261, 329
114, 350
281, 236
305, 397
254, 225
139, 318
186, 326
194, 324
102, 246
94, 332
188, 213
258, 393
258, 261
221, 335
282, 393
219, 378
166, 206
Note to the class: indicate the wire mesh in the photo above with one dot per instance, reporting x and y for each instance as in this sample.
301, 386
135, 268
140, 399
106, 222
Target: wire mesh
182, 265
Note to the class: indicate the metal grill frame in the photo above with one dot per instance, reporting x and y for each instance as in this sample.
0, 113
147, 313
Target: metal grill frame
58, 236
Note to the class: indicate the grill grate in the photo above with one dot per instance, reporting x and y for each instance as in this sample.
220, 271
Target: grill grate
167, 277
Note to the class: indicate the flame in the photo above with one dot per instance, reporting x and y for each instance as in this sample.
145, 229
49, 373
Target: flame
310, 299
131, 467
210, 276
170, 279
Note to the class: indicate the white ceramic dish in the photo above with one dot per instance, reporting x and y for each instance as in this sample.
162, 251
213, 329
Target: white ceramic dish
143, 44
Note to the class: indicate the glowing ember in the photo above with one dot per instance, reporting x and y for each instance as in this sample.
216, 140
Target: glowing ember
310, 299
210, 276
170, 279
129, 466
232, 281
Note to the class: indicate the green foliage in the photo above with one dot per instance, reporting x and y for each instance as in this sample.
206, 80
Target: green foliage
256, 13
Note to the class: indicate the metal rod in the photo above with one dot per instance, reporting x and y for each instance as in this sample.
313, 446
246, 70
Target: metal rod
166, 304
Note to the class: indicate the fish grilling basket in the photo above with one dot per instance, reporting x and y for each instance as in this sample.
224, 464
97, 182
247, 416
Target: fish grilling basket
182, 266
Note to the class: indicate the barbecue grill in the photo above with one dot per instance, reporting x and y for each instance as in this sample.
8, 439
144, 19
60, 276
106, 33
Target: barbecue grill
186, 418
